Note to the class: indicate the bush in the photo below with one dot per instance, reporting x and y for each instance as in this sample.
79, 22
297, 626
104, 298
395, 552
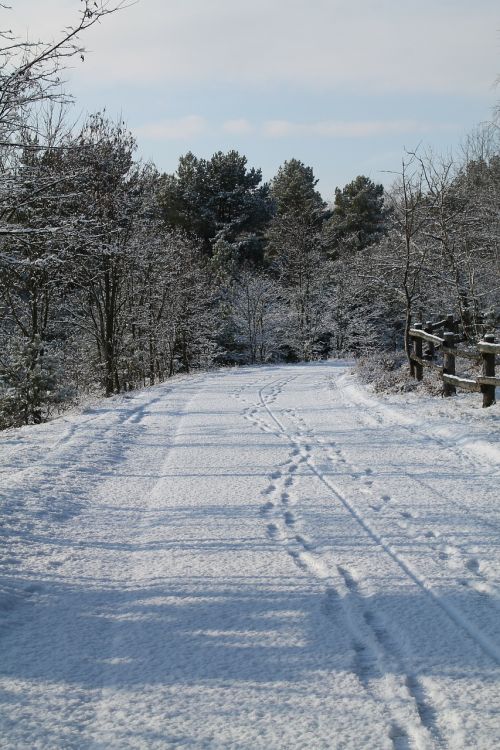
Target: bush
388, 372
30, 386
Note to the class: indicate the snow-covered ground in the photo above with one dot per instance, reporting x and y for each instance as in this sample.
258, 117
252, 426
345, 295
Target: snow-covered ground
255, 558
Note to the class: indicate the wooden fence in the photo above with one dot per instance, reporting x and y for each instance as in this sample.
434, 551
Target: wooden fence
485, 352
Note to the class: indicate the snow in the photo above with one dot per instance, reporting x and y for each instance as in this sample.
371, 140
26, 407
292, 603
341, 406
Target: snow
263, 557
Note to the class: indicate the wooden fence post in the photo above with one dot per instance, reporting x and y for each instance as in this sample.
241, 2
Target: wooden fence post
430, 348
488, 391
411, 347
449, 362
467, 321
417, 350
449, 323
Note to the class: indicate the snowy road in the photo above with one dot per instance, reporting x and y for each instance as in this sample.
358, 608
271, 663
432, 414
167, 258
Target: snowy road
258, 558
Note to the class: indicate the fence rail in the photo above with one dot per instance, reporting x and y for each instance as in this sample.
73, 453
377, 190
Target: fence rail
487, 352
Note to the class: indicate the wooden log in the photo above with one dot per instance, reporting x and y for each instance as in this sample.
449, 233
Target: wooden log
466, 383
465, 354
417, 333
487, 346
426, 363
488, 391
487, 380
417, 351
449, 388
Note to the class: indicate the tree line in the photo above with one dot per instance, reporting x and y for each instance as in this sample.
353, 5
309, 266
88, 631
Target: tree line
114, 275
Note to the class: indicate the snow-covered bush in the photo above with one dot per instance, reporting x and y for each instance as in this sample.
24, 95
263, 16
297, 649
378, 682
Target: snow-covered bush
389, 372
32, 382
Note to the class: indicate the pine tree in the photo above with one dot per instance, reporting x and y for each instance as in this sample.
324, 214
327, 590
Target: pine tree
219, 200
359, 217
294, 193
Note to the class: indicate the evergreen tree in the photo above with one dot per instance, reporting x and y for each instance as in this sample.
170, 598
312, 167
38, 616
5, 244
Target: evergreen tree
359, 217
294, 193
219, 200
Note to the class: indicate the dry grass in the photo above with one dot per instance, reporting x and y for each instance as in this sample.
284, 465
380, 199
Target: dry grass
388, 372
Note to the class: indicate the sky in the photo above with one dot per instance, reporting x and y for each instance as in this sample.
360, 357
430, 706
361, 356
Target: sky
343, 85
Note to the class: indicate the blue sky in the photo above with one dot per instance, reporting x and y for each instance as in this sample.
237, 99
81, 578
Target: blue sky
343, 86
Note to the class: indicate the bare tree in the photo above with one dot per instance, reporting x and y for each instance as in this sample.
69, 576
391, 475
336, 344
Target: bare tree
30, 70
258, 315
36, 218
397, 264
298, 261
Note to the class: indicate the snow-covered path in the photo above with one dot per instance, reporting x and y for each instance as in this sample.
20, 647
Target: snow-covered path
257, 558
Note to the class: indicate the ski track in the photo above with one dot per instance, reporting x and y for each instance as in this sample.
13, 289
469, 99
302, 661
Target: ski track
411, 709
412, 724
453, 552
491, 649
372, 643
29, 511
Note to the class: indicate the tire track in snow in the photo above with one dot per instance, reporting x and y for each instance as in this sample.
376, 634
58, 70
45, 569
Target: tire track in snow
384, 646
375, 417
485, 643
65, 442
410, 718
308, 561
454, 613
374, 649
452, 553
72, 431
392, 417
53, 484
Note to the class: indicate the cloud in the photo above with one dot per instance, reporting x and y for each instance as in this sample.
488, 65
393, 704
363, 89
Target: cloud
191, 126
179, 129
238, 127
344, 129
387, 45
281, 128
